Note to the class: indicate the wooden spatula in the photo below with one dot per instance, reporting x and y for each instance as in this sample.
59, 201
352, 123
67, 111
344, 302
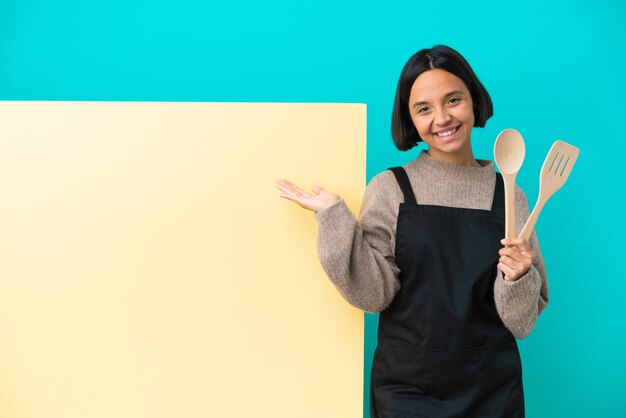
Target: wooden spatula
554, 172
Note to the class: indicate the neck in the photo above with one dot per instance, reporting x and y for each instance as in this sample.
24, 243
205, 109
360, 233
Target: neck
466, 158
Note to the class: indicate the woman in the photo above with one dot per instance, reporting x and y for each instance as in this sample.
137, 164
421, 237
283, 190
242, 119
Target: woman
428, 253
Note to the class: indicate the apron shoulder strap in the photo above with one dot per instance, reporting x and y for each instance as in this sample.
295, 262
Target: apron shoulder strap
497, 204
405, 184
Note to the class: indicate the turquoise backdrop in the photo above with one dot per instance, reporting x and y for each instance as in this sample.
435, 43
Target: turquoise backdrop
555, 70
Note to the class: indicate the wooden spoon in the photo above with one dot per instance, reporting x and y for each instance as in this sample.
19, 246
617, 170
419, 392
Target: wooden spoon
509, 151
555, 170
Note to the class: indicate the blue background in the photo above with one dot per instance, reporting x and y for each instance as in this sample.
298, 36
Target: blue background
555, 70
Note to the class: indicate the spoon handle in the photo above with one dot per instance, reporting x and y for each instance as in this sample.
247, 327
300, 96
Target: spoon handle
509, 205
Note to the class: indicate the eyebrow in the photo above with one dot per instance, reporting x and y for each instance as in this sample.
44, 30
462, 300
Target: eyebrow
447, 94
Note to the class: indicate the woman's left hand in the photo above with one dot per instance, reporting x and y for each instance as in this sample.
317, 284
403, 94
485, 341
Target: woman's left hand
515, 258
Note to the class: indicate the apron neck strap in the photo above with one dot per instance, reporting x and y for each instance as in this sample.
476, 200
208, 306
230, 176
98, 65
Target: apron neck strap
498, 194
405, 184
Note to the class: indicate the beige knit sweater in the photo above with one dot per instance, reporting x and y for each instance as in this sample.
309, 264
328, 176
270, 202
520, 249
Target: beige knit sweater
358, 256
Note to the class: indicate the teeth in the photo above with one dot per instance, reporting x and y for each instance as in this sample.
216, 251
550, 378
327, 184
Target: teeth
447, 133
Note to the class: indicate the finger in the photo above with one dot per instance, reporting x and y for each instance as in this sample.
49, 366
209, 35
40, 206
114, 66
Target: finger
520, 268
511, 263
505, 241
519, 243
525, 249
304, 203
317, 189
509, 273
292, 189
286, 190
282, 187
288, 185
292, 198
519, 253
516, 254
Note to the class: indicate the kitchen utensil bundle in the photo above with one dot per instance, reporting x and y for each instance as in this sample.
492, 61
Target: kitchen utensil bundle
509, 151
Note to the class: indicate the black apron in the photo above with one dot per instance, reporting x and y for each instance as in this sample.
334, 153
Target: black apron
443, 350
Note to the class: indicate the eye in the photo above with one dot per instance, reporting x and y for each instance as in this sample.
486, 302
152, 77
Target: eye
421, 109
454, 100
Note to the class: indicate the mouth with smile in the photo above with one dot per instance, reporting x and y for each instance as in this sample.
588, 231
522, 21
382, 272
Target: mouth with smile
447, 134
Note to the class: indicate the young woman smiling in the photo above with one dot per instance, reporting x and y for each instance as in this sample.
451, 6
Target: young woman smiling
428, 253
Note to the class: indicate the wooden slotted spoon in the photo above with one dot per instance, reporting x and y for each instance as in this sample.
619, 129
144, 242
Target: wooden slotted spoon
555, 170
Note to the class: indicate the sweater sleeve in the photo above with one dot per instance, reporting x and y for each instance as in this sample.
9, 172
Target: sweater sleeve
519, 303
358, 256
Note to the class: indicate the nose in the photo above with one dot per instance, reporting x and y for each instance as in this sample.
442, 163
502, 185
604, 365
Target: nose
442, 117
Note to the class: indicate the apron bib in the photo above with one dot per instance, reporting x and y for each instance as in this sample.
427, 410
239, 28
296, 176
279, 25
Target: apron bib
443, 350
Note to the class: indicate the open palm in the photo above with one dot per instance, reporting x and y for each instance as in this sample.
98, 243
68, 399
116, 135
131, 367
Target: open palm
320, 199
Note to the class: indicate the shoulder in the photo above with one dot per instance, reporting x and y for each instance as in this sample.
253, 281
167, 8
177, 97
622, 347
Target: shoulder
382, 191
384, 182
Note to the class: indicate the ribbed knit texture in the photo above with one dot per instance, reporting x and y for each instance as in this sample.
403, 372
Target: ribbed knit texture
358, 256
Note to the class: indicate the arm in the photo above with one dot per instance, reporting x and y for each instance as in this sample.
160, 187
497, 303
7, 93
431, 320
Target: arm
358, 256
520, 302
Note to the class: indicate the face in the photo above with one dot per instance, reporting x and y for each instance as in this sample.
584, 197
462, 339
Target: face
442, 111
